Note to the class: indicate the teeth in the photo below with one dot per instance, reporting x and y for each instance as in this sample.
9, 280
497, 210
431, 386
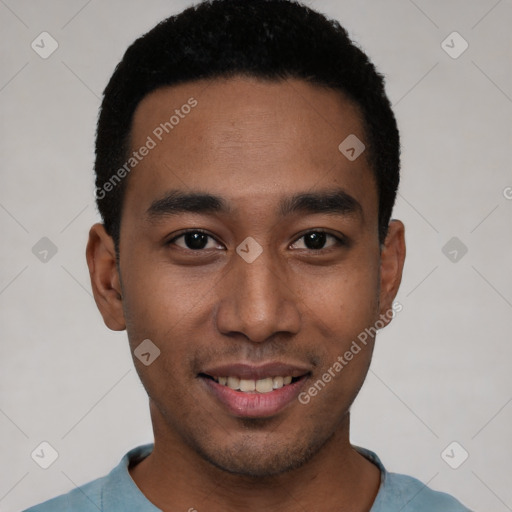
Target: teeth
278, 382
250, 386
265, 385
247, 385
233, 382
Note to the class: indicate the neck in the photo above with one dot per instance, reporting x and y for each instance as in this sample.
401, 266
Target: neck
174, 477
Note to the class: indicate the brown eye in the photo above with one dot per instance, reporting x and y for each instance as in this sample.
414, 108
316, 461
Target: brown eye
195, 241
317, 240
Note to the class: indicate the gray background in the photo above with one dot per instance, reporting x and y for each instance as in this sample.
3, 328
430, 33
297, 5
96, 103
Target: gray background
441, 371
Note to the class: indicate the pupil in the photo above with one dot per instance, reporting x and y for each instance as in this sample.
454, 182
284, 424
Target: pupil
315, 240
196, 240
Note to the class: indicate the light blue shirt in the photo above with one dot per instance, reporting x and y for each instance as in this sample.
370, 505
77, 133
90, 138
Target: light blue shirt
117, 492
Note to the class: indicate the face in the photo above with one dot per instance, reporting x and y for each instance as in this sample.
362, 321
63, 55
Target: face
249, 256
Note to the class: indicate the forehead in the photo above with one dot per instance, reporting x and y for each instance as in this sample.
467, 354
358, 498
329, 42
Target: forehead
246, 140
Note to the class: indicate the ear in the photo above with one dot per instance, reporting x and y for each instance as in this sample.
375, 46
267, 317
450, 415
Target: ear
391, 267
105, 281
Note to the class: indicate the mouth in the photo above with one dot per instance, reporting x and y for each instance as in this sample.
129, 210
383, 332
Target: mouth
266, 385
255, 392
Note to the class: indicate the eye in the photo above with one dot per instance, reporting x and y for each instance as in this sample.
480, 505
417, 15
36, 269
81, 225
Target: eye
195, 240
317, 240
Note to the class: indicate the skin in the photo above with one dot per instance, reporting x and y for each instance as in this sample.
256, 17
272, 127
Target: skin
253, 143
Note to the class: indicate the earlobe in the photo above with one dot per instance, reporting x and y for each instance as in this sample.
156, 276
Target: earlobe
391, 266
105, 281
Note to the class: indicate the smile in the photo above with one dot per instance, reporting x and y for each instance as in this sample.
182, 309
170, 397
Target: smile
265, 385
247, 391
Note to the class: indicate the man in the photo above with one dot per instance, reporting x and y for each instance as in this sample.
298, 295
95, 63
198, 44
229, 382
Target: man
247, 163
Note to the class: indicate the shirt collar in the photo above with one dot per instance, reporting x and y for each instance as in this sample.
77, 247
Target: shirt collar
122, 484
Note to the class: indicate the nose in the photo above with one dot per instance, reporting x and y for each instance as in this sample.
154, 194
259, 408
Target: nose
256, 301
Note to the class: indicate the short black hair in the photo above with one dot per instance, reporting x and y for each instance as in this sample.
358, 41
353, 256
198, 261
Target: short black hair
267, 39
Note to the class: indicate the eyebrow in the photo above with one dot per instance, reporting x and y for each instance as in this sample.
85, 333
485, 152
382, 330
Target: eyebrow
176, 201
334, 201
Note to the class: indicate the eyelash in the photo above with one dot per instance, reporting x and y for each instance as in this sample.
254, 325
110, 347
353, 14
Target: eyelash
183, 233
340, 241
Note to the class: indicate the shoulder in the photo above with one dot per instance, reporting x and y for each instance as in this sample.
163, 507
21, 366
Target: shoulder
111, 493
407, 494
414, 496
86, 498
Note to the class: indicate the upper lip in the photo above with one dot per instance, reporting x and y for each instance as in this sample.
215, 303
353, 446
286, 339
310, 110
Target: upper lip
253, 372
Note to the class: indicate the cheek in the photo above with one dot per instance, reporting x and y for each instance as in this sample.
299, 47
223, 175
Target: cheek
344, 310
345, 301
172, 309
158, 299
156, 310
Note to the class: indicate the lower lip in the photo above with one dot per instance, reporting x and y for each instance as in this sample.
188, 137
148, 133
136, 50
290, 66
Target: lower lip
255, 405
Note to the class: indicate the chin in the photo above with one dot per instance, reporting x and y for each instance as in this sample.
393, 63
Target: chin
258, 458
